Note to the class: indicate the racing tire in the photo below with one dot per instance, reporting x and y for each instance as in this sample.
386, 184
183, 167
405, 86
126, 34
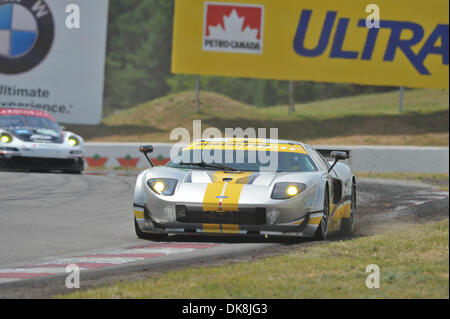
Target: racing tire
140, 234
76, 172
78, 169
348, 224
322, 230
39, 170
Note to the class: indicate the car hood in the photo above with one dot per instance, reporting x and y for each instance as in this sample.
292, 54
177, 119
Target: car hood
247, 178
253, 178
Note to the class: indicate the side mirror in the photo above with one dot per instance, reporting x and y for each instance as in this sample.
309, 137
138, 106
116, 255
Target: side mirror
337, 156
147, 149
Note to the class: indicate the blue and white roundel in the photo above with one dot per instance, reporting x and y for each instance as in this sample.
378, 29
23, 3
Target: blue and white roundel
18, 30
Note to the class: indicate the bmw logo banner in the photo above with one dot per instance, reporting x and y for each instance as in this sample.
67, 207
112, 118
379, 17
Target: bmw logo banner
43, 57
26, 36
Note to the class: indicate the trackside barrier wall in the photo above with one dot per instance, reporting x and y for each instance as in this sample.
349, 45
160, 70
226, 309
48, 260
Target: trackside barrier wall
363, 158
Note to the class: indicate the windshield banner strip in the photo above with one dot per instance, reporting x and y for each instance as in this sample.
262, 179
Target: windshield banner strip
296, 148
23, 112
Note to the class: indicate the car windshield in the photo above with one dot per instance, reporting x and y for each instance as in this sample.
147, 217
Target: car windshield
21, 121
12, 121
251, 161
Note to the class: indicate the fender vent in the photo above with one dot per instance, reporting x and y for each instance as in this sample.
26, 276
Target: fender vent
337, 188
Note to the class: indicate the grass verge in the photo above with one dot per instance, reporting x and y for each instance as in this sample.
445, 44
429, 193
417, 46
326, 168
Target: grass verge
413, 262
371, 119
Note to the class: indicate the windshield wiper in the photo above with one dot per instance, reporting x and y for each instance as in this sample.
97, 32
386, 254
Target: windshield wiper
210, 165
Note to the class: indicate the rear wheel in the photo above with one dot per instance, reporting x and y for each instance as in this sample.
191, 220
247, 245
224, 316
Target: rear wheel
142, 235
347, 227
322, 230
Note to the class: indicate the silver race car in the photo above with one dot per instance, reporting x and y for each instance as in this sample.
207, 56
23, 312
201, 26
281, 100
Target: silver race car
247, 187
32, 140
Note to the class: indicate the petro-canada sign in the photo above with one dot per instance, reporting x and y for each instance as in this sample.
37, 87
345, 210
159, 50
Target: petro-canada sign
233, 28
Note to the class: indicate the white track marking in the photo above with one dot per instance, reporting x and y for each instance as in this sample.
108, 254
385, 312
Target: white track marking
35, 270
95, 260
416, 202
94, 257
166, 251
6, 280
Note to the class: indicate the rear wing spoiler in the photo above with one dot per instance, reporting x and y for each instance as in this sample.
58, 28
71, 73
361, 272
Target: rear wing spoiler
326, 152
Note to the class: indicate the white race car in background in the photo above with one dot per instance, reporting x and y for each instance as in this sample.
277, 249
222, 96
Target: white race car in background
33, 140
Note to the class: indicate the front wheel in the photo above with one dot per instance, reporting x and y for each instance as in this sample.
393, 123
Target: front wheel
78, 168
322, 229
3, 164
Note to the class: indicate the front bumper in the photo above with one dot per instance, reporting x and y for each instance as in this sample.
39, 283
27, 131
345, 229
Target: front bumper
22, 162
40, 150
244, 222
250, 210
41, 156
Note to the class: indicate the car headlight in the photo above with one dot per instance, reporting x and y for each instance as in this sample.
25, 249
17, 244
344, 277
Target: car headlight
287, 190
6, 138
162, 186
73, 141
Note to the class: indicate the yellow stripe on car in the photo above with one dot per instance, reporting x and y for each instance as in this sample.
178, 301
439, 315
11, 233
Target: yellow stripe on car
314, 220
300, 221
211, 199
230, 202
241, 177
231, 177
220, 175
223, 195
211, 228
230, 229
138, 214
343, 211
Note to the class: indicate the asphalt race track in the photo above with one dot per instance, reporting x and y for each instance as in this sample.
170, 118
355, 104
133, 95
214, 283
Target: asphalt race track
48, 221
46, 214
